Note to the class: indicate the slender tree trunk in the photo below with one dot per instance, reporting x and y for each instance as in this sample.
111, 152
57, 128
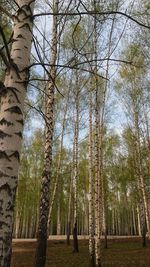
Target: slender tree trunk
40, 257
104, 198
98, 202
69, 208
91, 186
134, 220
59, 162
139, 166
13, 93
70, 198
75, 226
98, 184
138, 218
58, 220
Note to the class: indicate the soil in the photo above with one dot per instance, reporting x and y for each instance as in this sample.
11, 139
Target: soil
121, 252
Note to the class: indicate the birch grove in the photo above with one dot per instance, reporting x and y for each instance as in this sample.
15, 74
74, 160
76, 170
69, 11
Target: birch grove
77, 98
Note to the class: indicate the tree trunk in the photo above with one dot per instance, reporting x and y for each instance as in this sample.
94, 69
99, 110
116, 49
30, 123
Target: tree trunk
59, 163
139, 166
58, 220
40, 257
70, 199
13, 93
91, 186
75, 227
98, 184
139, 223
69, 207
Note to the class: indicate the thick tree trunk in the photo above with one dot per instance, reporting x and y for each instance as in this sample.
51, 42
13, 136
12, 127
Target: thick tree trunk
40, 257
13, 93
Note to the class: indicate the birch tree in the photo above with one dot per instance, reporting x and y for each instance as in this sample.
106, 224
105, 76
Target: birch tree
13, 93
40, 257
133, 96
76, 165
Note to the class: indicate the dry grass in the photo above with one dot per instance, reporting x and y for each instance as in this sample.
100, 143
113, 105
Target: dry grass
120, 253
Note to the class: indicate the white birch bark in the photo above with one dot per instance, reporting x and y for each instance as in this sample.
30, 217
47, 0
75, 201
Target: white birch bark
11, 121
139, 223
91, 184
75, 177
98, 182
141, 184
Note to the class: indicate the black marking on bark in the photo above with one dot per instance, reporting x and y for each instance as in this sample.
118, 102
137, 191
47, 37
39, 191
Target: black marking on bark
10, 205
19, 134
16, 155
4, 135
1, 206
21, 11
4, 91
25, 25
1, 213
14, 40
17, 18
20, 36
20, 121
9, 168
14, 109
17, 49
15, 67
3, 155
14, 178
8, 216
25, 47
2, 86
45, 173
2, 223
2, 174
3, 121
27, 7
6, 188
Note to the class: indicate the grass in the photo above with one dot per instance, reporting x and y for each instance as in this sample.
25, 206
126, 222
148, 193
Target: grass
120, 253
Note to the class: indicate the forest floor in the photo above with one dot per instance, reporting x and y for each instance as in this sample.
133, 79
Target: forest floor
121, 252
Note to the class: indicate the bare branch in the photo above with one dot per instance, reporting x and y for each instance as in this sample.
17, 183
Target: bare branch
93, 13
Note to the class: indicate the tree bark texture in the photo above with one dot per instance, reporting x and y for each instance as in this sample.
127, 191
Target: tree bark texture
40, 257
76, 136
13, 93
91, 186
60, 161
98, 182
